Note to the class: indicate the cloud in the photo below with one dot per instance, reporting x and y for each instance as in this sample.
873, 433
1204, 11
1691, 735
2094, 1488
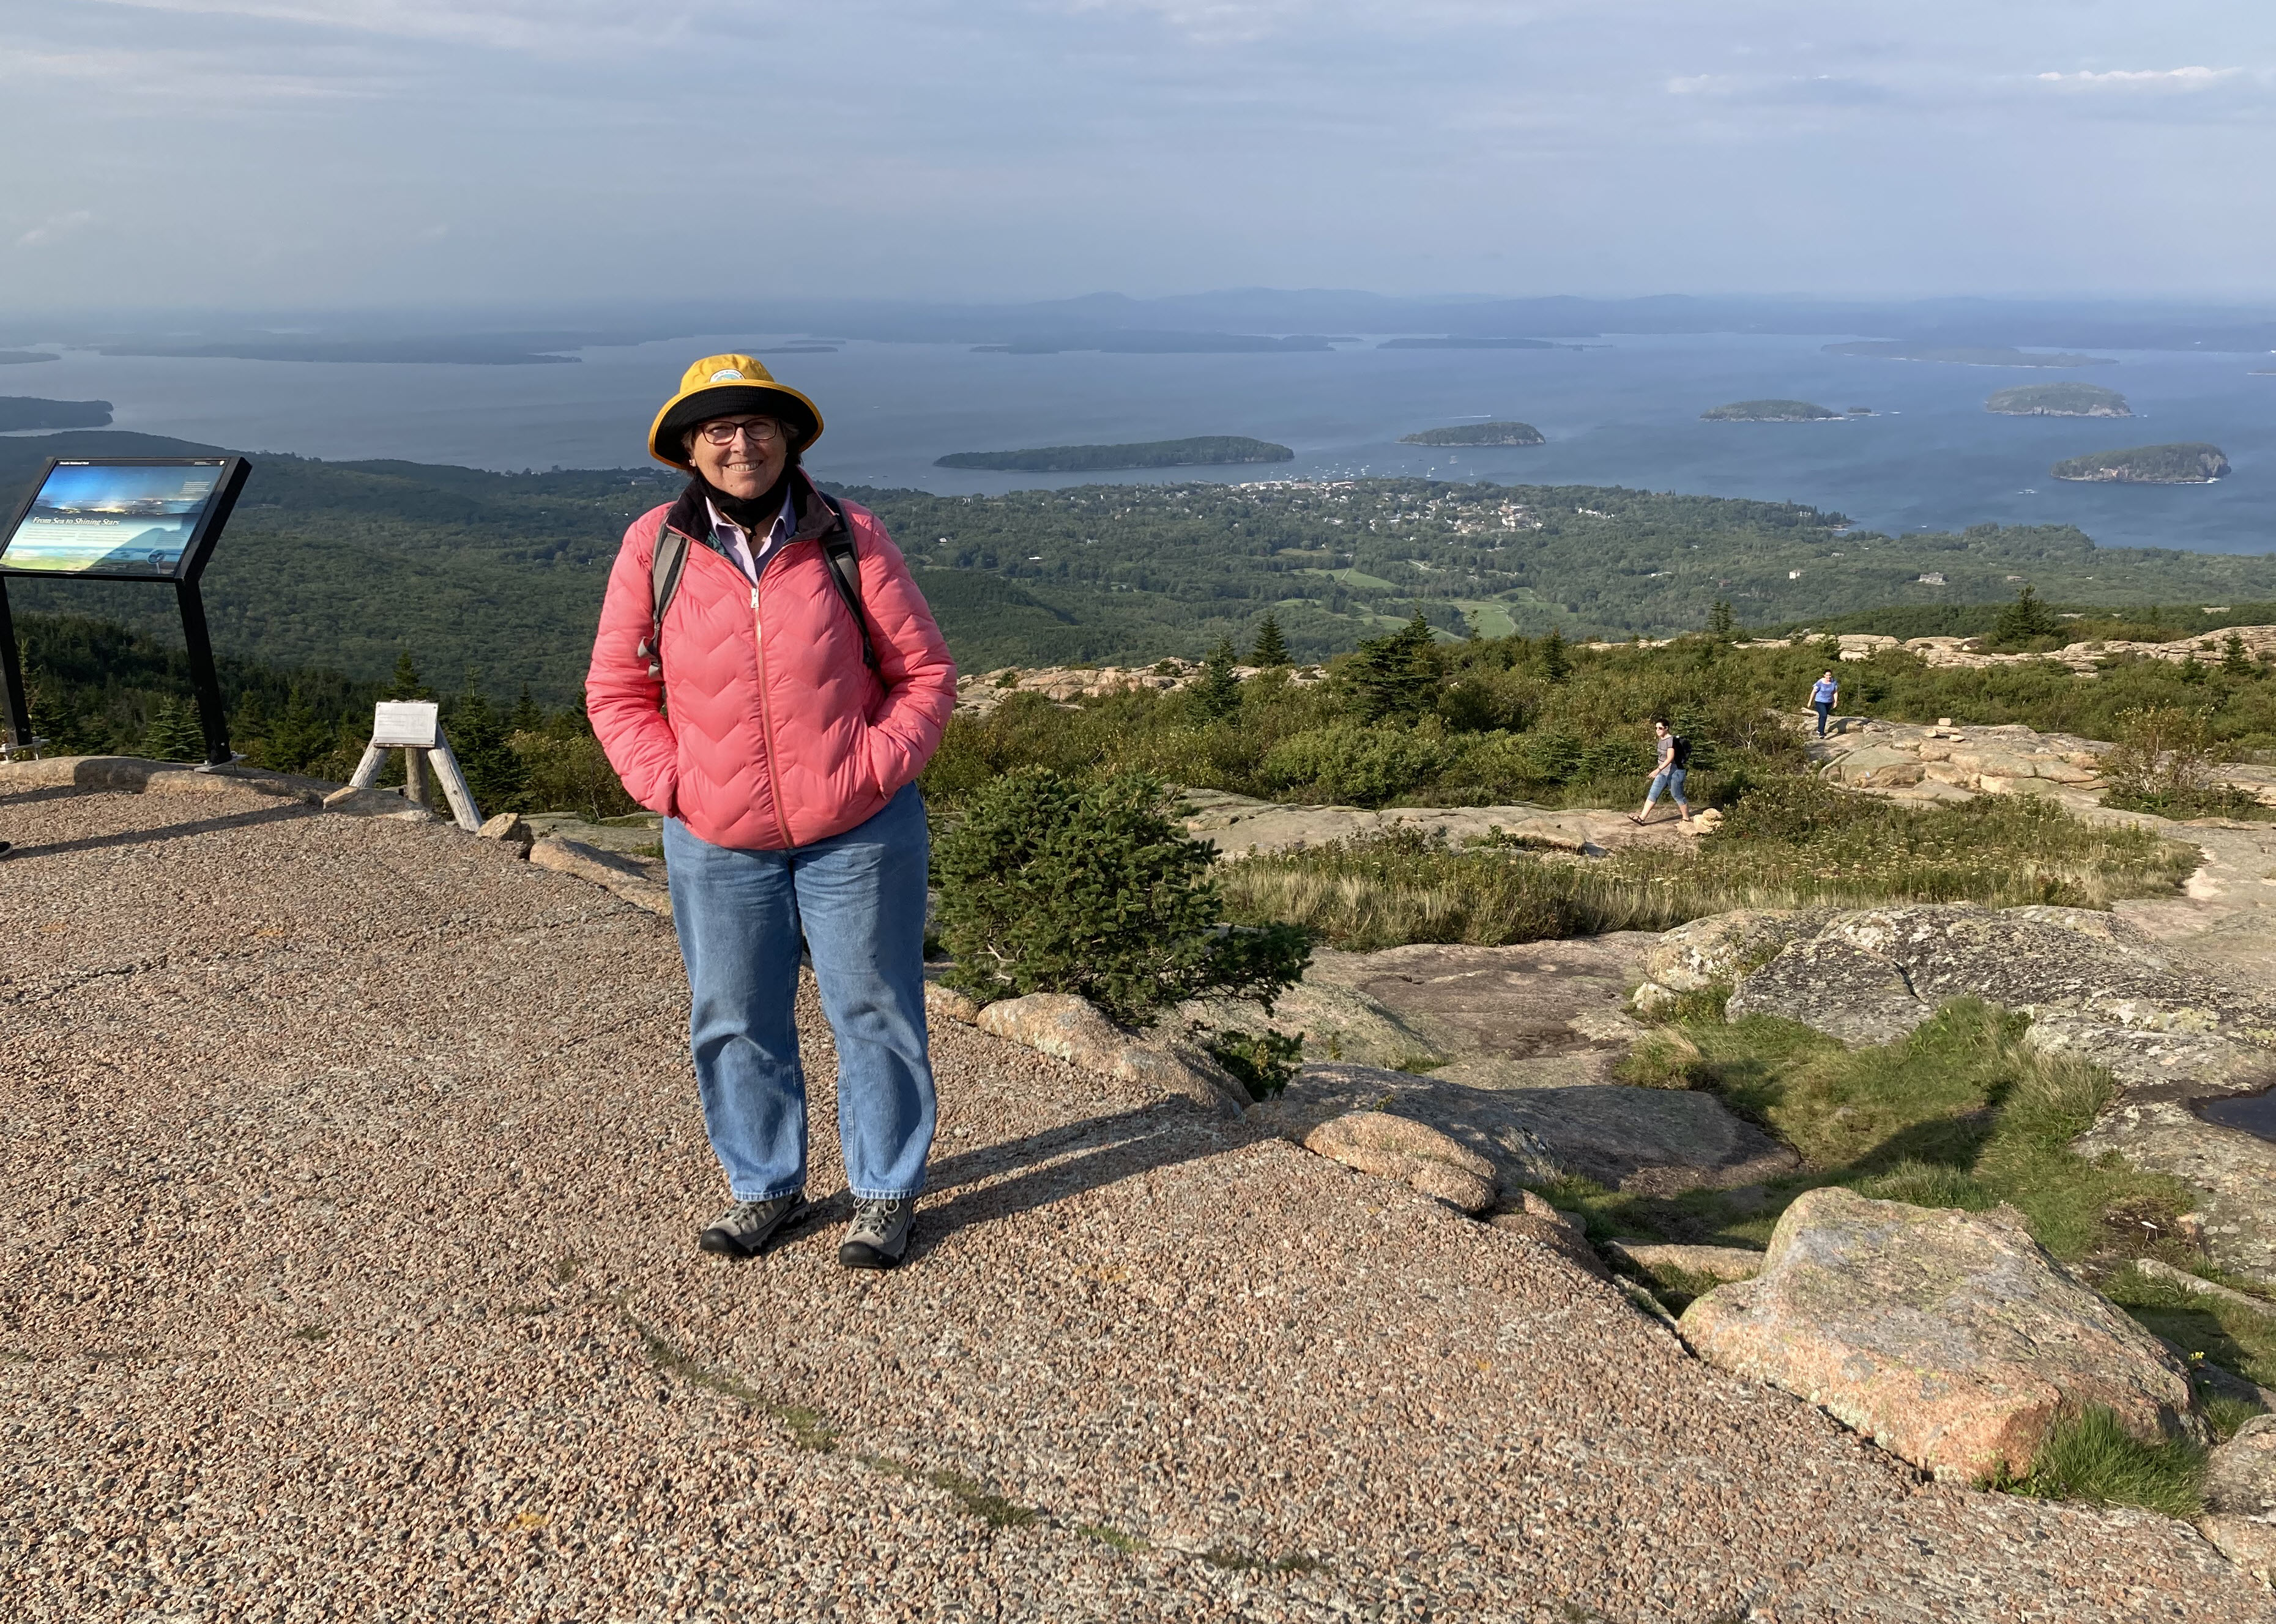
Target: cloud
534, 27
2146, 78
54, 229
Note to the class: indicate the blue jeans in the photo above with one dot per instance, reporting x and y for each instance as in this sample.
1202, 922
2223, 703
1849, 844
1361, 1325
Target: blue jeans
858, 899
1671, 781
1824, 708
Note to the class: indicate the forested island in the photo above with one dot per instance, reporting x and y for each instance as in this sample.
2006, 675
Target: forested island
29, 412
2189, 463
1977, 355
1201, 451
1471, 344
24, 358
1477, 434
2059, 400
1769, 411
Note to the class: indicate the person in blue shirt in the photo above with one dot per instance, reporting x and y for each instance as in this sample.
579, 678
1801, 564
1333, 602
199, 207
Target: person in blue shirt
1822, 695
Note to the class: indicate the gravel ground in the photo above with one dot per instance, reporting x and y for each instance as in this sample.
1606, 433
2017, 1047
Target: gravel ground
349, 1173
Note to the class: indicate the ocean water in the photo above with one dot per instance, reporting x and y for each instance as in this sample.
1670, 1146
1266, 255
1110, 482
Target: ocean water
1624, 414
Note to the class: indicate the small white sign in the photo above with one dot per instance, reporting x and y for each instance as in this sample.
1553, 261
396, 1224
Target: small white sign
406, 723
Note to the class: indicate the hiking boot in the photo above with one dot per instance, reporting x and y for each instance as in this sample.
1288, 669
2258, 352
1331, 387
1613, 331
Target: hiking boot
744, 1229
879, 1233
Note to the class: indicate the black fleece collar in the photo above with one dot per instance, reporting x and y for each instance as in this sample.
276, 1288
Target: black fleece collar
691, 516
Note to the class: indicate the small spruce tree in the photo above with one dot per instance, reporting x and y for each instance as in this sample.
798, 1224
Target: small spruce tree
1217, 692
1722, 625
527, 716
407, 683
2233, 660
1555, 664
2025, 619
1395, 676
174, 734
1270, 649
495, 773
298, 739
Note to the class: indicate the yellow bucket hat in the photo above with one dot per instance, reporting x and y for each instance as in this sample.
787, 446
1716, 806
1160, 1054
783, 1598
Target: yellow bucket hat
721, 386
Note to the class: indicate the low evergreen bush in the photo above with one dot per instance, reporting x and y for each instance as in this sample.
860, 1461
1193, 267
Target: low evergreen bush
1053, 885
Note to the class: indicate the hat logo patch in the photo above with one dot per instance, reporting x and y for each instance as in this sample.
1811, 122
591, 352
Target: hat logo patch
729, 375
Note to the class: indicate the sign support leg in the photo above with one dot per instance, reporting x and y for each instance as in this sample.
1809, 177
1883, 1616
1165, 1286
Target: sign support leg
21, 741
211, 717
414, 776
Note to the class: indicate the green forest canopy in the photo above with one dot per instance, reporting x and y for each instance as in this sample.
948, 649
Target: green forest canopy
344, 566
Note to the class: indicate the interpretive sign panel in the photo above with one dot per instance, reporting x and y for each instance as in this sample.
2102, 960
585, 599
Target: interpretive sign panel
122, 518
107, 520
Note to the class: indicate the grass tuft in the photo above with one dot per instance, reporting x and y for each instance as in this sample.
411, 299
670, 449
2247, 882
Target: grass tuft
2089, 1456
808, 1428
1403, 886
1114, 1537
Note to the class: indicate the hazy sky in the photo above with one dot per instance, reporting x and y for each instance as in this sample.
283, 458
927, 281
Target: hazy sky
322, 153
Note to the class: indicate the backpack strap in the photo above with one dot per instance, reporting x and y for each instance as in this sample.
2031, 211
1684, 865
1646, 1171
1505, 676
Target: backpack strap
845, 561
663, 581
837, 550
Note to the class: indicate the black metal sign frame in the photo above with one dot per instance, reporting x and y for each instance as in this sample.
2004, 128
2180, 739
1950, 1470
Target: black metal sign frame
212, 718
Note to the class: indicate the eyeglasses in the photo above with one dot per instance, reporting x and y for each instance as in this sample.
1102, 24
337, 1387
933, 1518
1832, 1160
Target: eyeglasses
722, 432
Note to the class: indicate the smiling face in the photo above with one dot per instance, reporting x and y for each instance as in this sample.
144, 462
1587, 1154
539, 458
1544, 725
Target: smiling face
741, 455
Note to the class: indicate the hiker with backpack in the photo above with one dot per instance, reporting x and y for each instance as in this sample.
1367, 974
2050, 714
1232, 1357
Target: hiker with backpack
768, 676
1667, 772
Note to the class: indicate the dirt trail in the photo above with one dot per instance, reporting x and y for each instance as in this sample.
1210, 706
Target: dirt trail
346, 1190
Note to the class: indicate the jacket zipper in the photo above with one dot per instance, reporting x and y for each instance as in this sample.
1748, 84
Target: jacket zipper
766, 716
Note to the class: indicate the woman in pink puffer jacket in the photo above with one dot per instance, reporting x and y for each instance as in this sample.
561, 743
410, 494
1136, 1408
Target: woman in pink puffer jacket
785, 764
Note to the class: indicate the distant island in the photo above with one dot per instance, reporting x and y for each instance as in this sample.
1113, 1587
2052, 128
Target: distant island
2059, 400
1477, 434
27, 412
1204, 449
24, 358
447, 352
1470, 344
799, 349
1890, 350
1141, 343
2193, 463
1769, 411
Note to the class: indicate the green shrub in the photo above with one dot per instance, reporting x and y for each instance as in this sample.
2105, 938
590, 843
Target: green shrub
2089, 1456
570, 775
1793, 805
1263, 1062
2164, 763
1053, 885
1354, 765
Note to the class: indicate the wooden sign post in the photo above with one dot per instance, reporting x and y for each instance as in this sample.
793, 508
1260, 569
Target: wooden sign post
415, 727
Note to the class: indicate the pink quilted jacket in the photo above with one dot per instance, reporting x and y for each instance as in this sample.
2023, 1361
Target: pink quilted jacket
767, 729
